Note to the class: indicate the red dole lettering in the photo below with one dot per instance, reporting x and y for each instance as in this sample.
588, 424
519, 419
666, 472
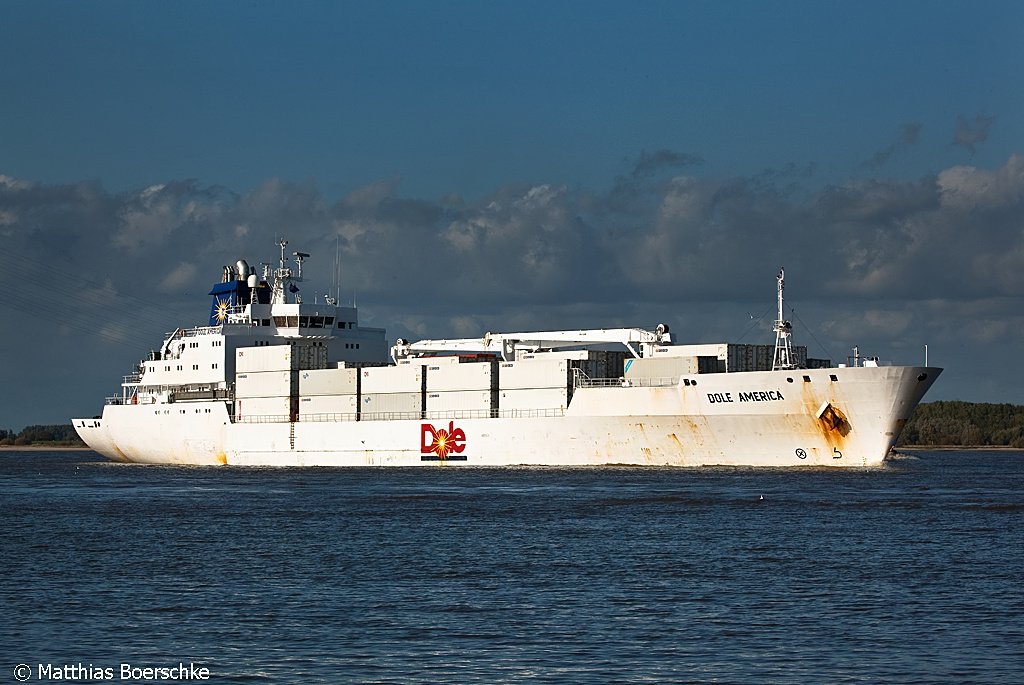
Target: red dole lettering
440, 441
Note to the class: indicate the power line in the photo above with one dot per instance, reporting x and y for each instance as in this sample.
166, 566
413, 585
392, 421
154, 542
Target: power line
754, 322
71, 296
811, 333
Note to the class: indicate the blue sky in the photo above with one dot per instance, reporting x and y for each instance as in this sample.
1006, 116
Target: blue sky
649, 160
464, 97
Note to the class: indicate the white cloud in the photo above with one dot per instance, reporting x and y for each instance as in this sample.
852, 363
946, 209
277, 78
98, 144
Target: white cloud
181, 276
970, 188
870, 256
12, 183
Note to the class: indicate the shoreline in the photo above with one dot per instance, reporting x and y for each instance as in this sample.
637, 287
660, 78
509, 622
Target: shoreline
936, 448
47, 448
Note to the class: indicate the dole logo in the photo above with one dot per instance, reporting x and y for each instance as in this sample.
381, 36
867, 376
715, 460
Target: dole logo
440, 441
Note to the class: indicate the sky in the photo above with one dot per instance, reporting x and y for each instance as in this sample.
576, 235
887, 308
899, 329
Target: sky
505, 166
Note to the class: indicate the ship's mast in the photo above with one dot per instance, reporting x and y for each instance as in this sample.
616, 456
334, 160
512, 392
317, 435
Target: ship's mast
783, 358
283, 277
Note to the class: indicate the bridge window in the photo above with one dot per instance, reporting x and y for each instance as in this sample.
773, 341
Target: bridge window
303, 322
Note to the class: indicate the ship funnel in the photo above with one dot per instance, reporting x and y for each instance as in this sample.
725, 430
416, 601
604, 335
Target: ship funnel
243, 269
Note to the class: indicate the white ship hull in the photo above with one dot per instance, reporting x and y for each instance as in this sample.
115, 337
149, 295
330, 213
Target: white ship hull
276, 383
838, 417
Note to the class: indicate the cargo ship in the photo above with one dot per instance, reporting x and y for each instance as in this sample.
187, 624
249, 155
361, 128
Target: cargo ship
271, 380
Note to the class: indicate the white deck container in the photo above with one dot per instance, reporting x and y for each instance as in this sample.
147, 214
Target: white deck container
329, 382
392, 379
528, 399
286, 357
717, 350
593, 363
528, 374
266, 384
280, 408
402, 403
475, 401
320, 405
455, 377
429, 361
660, 367
575, 355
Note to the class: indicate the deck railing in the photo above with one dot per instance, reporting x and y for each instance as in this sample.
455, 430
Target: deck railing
406, 416
627, 382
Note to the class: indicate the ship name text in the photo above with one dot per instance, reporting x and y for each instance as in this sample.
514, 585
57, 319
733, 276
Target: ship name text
753, 396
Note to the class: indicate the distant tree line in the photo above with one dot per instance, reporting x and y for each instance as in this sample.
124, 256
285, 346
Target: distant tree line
965, 424
62, 434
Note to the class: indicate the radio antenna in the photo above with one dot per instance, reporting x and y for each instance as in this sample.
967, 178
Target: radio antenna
783, 358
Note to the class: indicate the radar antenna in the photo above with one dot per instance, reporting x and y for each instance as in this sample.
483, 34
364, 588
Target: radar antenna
285, 278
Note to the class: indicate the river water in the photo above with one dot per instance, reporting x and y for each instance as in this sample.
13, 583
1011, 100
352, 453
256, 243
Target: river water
909, 573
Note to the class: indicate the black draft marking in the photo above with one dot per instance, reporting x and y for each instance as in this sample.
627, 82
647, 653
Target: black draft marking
836, 454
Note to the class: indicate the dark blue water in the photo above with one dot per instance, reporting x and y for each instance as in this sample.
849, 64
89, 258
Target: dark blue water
912, 573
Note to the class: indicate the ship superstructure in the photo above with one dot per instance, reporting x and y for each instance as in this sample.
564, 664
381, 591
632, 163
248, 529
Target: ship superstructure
198, 363
271, 380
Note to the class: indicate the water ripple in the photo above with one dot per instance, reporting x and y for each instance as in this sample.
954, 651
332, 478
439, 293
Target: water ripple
909, 573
